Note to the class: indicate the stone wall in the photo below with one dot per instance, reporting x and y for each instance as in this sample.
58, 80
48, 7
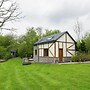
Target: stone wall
46, 60
50, 59
35, 58
66, 59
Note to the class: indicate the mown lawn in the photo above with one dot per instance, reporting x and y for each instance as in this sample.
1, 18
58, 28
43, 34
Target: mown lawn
15, 76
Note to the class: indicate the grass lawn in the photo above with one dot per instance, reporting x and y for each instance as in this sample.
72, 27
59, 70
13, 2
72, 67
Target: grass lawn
15, 76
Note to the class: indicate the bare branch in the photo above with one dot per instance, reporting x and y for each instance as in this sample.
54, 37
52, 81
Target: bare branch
77, 28
9, 29
8, 14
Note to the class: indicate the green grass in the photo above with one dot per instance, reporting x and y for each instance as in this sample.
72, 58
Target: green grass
15, 76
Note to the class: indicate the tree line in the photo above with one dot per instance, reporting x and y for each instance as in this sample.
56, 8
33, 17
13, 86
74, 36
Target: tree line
23, 45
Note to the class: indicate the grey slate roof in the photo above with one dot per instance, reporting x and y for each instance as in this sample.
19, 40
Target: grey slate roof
51, 38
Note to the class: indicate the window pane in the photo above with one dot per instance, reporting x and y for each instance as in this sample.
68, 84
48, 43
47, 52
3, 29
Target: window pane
35, 52
45, 52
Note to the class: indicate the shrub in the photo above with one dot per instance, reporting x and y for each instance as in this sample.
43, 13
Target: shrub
75, 58
2, 52
81, 57
7, 56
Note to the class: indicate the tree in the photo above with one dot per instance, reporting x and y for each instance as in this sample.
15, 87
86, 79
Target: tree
31, 37
87, 42
82, 46
50, 32
6, 43
39, 32
78, 29
8, 12
27, 41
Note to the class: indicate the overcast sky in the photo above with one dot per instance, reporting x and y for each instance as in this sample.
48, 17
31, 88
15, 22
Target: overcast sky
53, 14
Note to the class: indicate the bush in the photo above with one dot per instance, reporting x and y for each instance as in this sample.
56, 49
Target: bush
7, 56
84, 57
75, 58
2, 52
81, 57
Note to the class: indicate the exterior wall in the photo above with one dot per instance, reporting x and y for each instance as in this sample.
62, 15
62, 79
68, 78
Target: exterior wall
67, 44
35, 57
64, 50
71, 49
51, 50
62, 38
69, 39
66, 59
46, 46
35, 48
40, 52
48, 60
56, 49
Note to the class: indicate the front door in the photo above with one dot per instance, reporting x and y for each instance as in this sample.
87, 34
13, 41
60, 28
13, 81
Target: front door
60, 55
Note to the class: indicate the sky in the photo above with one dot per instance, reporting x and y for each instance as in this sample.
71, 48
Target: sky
53, 14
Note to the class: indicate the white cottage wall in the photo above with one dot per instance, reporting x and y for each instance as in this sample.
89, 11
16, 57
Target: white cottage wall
35, 48
51, 51
62, 38
64, 50
45, 45
69, 39
56, 49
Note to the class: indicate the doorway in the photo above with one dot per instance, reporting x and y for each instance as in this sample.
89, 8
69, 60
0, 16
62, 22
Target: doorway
60, 55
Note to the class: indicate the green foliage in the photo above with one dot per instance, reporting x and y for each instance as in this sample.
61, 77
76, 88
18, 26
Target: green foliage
26, 42
7, 56
50, 32
87, 42
75, 58
81, 57
84, 57
6, 40
81, 45
22, 50
84, 48
7, 43
2, 52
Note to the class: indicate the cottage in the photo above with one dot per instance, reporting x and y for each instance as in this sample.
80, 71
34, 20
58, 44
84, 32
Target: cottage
55, 48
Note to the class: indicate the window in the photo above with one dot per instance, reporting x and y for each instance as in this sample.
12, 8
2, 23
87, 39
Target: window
35, 52
45, 52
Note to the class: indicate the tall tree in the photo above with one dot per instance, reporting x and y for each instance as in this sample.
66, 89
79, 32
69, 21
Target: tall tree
39, 32
30, 38
27, 41
78, 29
8, 12
82, 47
87, 42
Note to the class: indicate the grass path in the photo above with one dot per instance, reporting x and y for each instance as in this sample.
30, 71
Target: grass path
15, 76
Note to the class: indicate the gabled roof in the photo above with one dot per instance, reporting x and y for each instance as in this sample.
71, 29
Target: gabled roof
51, 38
